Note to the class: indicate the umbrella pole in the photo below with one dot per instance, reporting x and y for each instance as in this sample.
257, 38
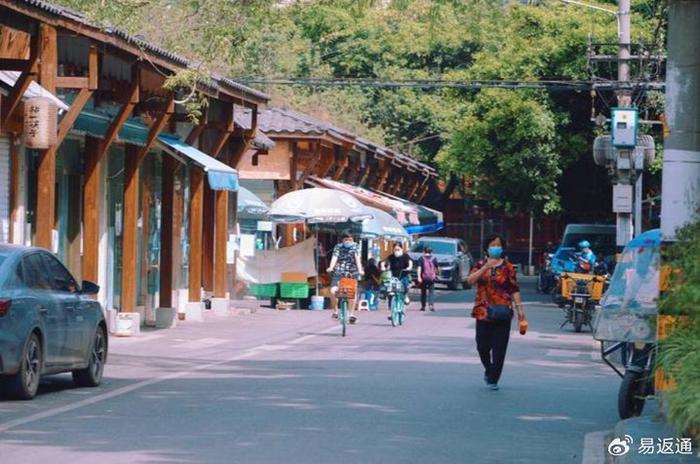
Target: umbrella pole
318, 262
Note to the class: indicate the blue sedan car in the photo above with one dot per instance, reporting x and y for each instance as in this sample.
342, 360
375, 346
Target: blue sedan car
48, 323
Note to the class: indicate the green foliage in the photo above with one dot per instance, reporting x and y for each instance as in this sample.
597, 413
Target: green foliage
506, 142
408, 39
679, 354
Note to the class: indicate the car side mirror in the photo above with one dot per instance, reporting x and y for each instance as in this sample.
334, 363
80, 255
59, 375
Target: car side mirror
90, 288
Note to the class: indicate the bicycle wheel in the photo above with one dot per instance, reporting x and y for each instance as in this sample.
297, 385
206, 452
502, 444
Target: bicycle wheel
402, 310
343, 315
395, 310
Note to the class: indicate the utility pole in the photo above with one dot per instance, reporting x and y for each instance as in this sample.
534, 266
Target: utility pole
625, 161
680, 197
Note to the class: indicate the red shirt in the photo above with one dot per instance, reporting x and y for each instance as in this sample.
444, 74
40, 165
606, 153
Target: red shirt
496, 287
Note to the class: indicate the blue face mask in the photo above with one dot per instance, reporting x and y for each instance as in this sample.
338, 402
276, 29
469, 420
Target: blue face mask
495, 251
347, 244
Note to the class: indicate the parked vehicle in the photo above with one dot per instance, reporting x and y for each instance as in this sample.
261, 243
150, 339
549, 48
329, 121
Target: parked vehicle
627, 321
48, 323
453, 257
580, 293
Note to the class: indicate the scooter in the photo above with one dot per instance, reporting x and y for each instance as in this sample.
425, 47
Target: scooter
546, 281
626, 322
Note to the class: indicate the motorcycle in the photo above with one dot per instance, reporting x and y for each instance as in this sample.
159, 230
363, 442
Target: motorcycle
546, 281
626, 322
580, 293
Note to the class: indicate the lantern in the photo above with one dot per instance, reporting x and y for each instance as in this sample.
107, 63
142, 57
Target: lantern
40, 122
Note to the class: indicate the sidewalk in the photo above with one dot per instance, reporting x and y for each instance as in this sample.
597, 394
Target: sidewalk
651, 425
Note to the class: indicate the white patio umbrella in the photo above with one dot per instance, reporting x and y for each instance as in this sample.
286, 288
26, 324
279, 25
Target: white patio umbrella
318, 206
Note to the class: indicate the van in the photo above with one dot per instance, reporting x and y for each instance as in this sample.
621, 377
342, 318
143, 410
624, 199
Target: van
601, 236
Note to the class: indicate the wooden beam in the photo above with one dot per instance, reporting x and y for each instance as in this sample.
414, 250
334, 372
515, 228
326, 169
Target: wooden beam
424, 192
130, 229
413, 190
145, 174
239, 150
341, 165
220, 241
224, 133
71, 82
11, 102
195, 258
91, 208
73, 112
311, 167
48, 54
195, 132
157, 127
93, 68
121, 117
166, 232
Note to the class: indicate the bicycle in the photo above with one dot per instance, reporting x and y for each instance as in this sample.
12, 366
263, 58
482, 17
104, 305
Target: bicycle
347, 289
396, 290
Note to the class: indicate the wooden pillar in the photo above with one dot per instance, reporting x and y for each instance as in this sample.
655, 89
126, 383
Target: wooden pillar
208, 239
178, 212
196, 204
221, 197
130, 228
145, 182
166, 232
91, 209
46, 175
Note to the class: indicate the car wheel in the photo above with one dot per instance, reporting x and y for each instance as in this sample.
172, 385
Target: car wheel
91, 376
25, 383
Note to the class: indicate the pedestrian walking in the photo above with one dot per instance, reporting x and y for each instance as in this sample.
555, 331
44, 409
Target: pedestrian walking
426, 275
497, 298
372, 282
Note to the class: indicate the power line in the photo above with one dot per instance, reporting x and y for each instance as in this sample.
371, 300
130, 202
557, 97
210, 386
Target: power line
575, 85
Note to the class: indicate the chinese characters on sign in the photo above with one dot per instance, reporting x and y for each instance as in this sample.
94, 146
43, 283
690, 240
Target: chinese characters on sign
40, 124
651, 446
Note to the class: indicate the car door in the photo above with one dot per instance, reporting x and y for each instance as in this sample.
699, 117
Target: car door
54, 322
78, 320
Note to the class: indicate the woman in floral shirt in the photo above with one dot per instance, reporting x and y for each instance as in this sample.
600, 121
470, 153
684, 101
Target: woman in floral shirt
496, 286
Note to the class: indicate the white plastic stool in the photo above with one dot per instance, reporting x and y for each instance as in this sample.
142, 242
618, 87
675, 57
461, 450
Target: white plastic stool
363, 305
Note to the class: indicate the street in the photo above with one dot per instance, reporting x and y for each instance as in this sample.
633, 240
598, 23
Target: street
283, 386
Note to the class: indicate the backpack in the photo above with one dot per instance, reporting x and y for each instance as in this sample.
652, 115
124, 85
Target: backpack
429, 272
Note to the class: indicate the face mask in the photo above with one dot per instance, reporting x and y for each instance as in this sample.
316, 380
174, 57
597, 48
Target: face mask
398, 253
428, 254
347, 244
495, 251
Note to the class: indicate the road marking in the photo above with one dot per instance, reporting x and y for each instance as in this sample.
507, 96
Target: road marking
594, 447
565, 353
249, 353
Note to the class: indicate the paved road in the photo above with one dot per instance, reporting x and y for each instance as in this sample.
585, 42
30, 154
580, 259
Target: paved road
284, 387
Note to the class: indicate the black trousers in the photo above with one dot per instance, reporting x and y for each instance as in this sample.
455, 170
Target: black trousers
492, 343
427, 292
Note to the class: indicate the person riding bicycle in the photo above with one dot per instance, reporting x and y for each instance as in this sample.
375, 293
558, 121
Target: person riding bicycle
345, 263
397, 263
585, 257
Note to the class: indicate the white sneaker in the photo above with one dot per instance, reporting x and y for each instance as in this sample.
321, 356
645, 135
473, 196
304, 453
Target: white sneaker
407, 299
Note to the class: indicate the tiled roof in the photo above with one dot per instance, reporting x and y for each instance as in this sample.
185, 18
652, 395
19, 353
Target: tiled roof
284, 121
71, 15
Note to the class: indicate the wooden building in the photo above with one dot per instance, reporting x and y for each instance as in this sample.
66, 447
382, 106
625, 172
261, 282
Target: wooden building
307, 148
131, 195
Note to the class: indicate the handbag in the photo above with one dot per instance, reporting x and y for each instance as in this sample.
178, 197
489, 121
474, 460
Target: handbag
499, 312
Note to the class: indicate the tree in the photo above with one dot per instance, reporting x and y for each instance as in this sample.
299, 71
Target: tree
506, 144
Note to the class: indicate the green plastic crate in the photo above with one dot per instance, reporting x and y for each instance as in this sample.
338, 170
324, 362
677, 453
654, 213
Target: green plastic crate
294, 290
263, 290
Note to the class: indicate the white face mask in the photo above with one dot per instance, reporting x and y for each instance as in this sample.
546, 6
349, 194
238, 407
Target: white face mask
398, 253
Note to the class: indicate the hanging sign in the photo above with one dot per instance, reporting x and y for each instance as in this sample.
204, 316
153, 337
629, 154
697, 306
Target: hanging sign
40, 123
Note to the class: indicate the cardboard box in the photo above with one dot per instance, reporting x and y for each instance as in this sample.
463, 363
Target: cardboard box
294, 277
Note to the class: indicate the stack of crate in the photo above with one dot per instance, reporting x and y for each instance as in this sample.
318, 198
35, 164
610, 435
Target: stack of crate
294, 285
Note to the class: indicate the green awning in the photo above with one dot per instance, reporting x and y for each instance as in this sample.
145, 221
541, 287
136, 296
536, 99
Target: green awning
96, 125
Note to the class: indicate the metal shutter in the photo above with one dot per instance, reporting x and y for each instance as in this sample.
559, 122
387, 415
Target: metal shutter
4, 189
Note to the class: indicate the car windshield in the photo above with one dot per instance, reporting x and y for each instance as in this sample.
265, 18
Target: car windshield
601, 244
439, 248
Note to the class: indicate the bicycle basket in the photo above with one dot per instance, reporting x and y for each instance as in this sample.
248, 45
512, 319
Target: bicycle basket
347, 287
394, 285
